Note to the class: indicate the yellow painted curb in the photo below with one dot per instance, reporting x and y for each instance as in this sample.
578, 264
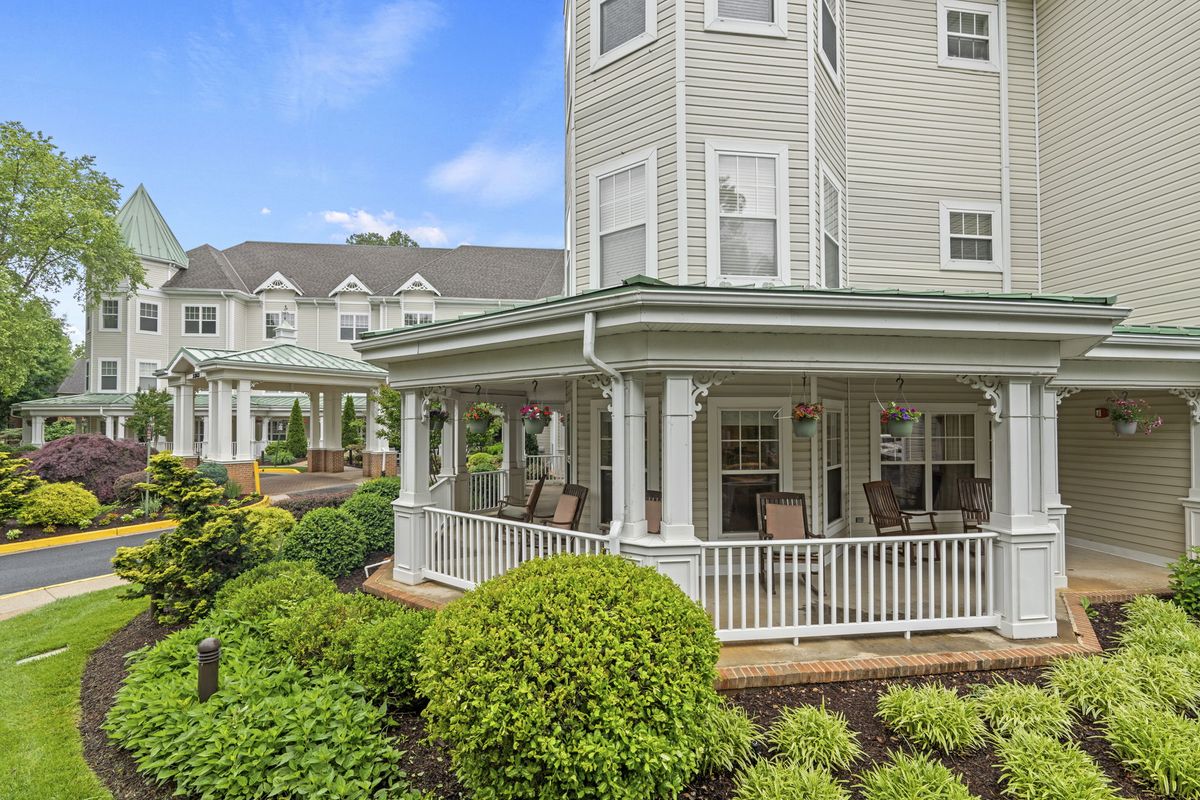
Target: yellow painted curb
55, 586
107, 533
280, 471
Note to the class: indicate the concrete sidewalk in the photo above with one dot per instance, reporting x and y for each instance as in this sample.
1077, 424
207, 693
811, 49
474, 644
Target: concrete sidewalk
20, 602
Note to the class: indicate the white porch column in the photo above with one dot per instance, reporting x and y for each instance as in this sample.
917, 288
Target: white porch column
633, 428
1056, 512
37, 436
409, 507
450, 434
332, 417
121, 432
245, 423
314, 421
371, 440
677, 458
513, 434
1024, 564
183, 432
220, 434
110, 427
458, 457
1191, 503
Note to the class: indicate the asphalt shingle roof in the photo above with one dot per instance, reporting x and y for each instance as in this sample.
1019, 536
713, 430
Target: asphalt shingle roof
503, 273
76, 380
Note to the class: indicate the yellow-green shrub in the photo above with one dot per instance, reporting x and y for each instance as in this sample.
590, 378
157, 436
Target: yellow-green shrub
59, 504
270, 524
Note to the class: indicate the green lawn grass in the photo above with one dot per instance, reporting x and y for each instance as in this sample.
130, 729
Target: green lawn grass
41, 755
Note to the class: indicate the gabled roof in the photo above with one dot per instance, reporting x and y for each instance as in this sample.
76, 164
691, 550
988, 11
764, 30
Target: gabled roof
278, 281
76, 380
146, 232
417, 283
351, 284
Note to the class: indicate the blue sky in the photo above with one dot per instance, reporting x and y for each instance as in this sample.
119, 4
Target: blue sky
306, 121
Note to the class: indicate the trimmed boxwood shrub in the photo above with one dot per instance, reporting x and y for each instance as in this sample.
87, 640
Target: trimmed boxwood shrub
387, 487
59, 504
606, 696
125, 487
385, 656
271, 590
217, 473
89, 459
375, 515
329, 537
299, 506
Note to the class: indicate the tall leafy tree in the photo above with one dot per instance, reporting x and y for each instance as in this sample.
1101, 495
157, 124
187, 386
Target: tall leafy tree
151, 416
297, 439
48, 355
393, 239
352, 429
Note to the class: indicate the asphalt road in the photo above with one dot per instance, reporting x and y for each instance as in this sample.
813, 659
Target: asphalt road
69, 562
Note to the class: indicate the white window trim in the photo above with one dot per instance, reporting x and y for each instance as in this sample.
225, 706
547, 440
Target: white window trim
843, 207
100, 312
944, 59
781, 407
266, 311
353, 326
842, 524
404, 318
997, 264
648, 157
713, 148
100, 375
653, 451
183, 319
159, 318
834, 73
713, 21
142, 362
649, 35
983, 453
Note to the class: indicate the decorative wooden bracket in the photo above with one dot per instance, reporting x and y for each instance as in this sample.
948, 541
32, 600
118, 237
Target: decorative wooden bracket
990, 386
1192, 398
702, 383
1063, 392
604, 384
431, 394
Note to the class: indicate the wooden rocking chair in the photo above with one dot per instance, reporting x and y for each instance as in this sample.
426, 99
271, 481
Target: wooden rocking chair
975, 500
522, 513
784, 515
886, 513
569, 511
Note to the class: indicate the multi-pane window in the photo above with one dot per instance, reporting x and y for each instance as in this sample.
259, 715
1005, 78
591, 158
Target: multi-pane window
110, 315
835, 496
750, 465
148, 317
970, 236
605, 463
622, 225
273, 319
276, 430
353, 326
621, 21
146, 378
967, 35
200, 320
829, 33
831, 228
108, 375
748, 200
924, 468
417, 318
752, 10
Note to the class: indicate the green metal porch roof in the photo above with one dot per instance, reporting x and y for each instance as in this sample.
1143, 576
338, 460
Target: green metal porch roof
145, 230
1157, 330
290, 355
263, 403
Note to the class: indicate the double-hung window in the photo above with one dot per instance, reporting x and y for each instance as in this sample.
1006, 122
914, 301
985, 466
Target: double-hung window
353, 326
971, 236
967, 35
924, 468
748, 452
110, 315
760, 17
603, 443
623, 228
829, 36
747, 213
109, 375
620, 27
200, 320
146, 378
148, 317
417, 318
273, 319
831, 230
835, 473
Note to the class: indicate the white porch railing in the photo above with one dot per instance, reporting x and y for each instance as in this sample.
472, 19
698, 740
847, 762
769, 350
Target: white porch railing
553, 467
464, 550
488, 489
834, 587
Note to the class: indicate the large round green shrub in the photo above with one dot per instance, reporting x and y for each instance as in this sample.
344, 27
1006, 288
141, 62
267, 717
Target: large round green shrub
323, 630
59, 504
375, 515
385, 656
572, 677
387, 487
217, 473
271, 590
330, 538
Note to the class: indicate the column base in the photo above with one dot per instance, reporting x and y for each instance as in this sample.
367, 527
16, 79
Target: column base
679, 561
1191, 521
377, 465
326, 460
1024, 582
242, 472
408, 563
1057, 513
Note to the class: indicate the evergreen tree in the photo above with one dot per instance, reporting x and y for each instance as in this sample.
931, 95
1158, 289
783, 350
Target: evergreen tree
297, 439
352, 429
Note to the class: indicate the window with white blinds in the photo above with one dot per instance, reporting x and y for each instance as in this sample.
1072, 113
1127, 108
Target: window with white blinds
751, 10
831, 228
621, 21
748, 199
967, 35
971, 236
622, 225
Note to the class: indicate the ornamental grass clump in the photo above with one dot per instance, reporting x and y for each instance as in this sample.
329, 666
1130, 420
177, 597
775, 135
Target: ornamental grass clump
776, 780
932, 717
913, 777
1034, 767
1094, 686
572, 677
730, 736
1160, 627
811, 737
1160, 747
1011, 707
1169, 681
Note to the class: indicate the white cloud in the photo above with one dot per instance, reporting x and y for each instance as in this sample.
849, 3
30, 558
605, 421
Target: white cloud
499, 176
429, 235
265, 211
358, 220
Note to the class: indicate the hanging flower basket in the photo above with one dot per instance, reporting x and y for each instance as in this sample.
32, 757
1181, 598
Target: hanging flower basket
805, 419
1130, 416
536, 418
478, 417
437, 418
898, 420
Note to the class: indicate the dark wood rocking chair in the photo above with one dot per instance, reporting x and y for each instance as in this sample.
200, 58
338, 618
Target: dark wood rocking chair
888, 518
784, 515
975, 499
508, 509
569, 510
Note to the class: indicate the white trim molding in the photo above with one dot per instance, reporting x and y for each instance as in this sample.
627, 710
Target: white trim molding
417, 283
713, 150
993, 207
649, 159
648, 35
278, 281
992, 64
834, 72
351, 284
777, 27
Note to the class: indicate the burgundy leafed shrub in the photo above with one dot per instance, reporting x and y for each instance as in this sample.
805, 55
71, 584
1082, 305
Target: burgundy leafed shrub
90, 459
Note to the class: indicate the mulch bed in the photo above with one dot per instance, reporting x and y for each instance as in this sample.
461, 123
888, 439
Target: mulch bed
428, 763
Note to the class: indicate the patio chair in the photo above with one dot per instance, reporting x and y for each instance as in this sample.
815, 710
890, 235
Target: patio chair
653, 511
569, 511
784, 515
508, 509
975, 500
887, 516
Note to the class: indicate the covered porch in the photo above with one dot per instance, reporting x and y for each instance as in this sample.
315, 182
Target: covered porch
677, 403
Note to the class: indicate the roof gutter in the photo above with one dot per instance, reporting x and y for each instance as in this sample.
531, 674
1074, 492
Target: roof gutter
617, 407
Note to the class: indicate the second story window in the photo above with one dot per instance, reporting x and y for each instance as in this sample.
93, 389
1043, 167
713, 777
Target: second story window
108, 375
621, 216
619, 27
747, 214
148, 317
146, 378
417, 318
829, 35
967, 35
353, 326
273, 319
110, 315
831, 231
200, 320
760, 17
970, 236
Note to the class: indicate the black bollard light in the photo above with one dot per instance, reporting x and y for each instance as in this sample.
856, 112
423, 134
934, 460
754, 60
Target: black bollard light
208, 656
